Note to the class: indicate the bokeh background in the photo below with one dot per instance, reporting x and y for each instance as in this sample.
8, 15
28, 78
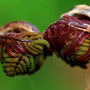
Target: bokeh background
55, 74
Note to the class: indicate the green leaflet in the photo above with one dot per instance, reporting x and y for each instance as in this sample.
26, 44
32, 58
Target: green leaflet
29, 62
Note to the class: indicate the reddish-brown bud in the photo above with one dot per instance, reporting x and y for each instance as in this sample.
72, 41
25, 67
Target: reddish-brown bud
70, 35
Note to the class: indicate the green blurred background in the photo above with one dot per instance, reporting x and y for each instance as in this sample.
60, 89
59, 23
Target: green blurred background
55, 74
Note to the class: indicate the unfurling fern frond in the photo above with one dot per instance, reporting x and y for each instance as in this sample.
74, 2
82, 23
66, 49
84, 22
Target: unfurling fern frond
70, 36
23, 64
21, 52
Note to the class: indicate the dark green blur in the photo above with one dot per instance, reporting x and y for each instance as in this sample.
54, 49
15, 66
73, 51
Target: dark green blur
55, 74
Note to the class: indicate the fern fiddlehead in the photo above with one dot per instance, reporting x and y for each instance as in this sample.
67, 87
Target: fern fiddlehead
70, 36
24, 48
22, 52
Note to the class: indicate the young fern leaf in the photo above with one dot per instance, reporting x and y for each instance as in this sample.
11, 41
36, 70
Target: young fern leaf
20, 50
70, 36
